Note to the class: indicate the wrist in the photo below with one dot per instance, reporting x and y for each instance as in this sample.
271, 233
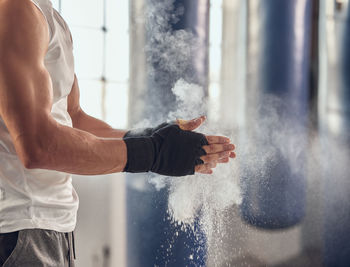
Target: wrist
140, 154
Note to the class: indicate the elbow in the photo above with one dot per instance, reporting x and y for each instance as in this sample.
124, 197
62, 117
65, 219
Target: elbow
31, 162
32, 145
30, 153
32, 158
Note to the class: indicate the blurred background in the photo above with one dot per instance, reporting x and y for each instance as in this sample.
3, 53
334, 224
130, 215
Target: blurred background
275, 74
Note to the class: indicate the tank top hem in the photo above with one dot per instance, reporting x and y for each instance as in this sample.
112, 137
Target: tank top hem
37, 224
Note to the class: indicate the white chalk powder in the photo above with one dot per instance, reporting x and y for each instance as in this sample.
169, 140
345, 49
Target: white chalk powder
203, 197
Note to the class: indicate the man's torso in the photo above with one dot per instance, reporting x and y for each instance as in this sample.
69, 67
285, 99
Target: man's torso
41, 198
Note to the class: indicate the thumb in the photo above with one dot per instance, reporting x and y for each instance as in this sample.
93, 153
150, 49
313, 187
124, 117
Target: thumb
190, 125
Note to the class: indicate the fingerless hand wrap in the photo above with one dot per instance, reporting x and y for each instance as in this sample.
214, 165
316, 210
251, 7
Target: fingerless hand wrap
168, 151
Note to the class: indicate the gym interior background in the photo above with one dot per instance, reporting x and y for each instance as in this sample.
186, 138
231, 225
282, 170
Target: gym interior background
249, 54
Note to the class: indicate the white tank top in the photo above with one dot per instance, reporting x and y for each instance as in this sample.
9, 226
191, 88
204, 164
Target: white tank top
41, 198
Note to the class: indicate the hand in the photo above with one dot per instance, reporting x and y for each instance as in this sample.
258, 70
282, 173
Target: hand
219, 149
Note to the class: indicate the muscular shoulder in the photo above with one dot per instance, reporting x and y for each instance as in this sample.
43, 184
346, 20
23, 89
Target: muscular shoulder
23, 28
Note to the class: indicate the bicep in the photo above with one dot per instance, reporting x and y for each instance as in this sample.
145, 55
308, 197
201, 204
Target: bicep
25, 85
24, 94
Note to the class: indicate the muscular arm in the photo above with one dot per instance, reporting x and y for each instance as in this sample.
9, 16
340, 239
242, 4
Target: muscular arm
99, 128
26, 101
84, 122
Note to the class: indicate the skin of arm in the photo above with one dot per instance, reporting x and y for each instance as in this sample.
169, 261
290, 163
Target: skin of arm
92, 146
84, 122
26, 101
216, 149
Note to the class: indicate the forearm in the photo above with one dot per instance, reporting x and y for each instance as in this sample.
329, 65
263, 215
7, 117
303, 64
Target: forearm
70, 150
99, 128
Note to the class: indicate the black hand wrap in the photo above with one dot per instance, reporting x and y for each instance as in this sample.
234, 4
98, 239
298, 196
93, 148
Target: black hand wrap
168, 151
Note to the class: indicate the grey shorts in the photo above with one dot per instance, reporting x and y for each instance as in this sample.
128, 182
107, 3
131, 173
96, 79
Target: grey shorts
37, 247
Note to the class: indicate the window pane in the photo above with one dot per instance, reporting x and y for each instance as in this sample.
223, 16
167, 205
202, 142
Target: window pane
91, 97
117, 61
83, 12
88, 52
117, 16
117, 104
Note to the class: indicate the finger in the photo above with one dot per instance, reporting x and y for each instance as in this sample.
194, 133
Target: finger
205, 166
203, 170
209, 171
215, 148
232, 155
191, 124
215, 157
224, 160
213, 139
210, 165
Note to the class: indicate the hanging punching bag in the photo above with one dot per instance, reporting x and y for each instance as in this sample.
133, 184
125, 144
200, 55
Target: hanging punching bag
274, 182
176, 45
335, 135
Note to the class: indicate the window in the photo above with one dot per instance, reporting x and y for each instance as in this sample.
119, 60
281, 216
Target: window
101, 51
